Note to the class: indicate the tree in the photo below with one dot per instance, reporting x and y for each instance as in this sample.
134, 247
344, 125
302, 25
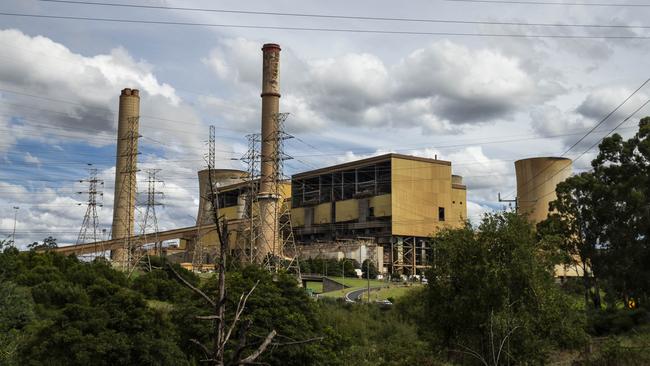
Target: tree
604, 218
369, 269
491, 295
623, 167
48, 243
575, 219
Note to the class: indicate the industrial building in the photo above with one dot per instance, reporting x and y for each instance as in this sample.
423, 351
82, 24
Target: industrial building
389, 204
394, 201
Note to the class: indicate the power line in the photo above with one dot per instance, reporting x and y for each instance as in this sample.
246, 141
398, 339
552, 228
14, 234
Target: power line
341, 16
315, 29
586, 134
550, 3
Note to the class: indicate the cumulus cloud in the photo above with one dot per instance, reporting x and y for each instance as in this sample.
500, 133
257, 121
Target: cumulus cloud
438, 87
74, 97
570, 125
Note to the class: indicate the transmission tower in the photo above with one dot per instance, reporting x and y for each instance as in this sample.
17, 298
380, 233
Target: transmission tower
150, 221
284, 253
198, 256
88, 231
249, 229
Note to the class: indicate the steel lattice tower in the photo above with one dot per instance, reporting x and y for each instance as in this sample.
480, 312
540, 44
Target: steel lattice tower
88, 231
284, 253
198, 254
150, 220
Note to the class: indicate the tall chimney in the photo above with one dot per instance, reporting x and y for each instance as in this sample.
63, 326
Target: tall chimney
125, 170
267, 241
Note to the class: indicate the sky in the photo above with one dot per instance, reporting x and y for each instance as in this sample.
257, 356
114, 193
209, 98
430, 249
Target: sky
457, 83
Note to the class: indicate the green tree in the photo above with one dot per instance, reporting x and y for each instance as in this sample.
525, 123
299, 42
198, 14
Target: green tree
48, 243
623, 167
491, 295
575, 220
604, 218
369, 269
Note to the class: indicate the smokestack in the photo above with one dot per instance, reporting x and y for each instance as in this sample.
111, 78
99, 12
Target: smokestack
125, 170
267, 241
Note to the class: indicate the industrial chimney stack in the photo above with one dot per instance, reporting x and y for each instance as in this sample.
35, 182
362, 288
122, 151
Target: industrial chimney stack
125, 170
268, 200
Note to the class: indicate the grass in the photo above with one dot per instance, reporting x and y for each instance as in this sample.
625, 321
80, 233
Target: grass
358, 282
393, 292
354, 284
316, 287
162, 306
337, 293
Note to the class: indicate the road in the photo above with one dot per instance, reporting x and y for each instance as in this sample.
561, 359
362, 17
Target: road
354, 295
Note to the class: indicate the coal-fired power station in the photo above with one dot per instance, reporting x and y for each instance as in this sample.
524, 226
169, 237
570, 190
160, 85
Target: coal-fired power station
383, 208
125, 170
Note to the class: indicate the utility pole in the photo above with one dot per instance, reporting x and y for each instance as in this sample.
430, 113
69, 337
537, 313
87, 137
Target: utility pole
514, 200
13, 233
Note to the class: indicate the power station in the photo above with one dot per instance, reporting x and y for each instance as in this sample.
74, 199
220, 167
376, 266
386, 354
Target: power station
383, 208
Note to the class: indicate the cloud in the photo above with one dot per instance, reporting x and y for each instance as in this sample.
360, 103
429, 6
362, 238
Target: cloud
437, 88
30, 159
74, 97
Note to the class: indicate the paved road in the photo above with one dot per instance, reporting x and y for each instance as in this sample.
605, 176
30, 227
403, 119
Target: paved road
355, 295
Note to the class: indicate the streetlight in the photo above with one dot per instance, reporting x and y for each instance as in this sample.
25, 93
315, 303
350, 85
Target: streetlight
13, 234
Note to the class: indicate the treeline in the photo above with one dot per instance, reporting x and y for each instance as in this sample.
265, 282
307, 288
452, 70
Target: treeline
57, 310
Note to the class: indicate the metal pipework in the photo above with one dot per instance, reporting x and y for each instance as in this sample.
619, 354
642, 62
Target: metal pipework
125, 170
268, 201
536, 182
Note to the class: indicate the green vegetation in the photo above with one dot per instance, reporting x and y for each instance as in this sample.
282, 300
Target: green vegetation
391, 293
315, 287
491, 298
358, 282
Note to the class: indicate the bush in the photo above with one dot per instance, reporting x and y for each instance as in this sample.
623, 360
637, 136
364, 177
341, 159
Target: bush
612, 321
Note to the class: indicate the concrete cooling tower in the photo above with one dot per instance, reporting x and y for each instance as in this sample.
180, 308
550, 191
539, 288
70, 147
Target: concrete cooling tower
220, 178
536, 182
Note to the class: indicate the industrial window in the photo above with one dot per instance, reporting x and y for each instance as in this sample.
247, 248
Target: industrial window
228, 199
349, 184
297, 188
325, 188
383, 178
441, 214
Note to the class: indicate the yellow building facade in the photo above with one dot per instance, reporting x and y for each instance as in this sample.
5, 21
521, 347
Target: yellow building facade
398, 201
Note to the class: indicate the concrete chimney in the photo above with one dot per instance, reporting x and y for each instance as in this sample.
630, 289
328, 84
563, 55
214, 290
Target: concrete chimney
125, 170
267, 241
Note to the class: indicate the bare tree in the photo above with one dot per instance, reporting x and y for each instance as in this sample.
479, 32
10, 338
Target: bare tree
223, 331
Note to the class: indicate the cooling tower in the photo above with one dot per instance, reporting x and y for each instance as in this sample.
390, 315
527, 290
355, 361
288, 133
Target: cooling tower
125, 169
267, 241
220, 178
536, 182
